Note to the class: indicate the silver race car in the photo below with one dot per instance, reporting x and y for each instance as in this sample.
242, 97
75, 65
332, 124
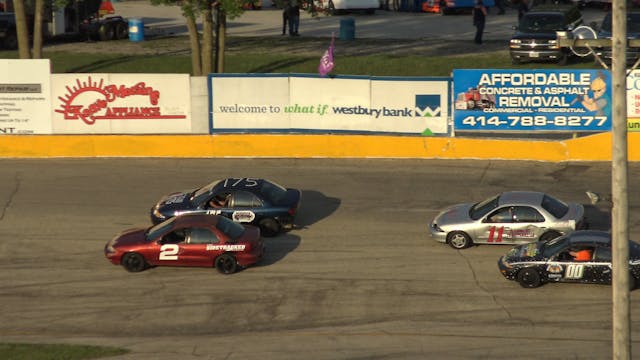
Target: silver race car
513, 217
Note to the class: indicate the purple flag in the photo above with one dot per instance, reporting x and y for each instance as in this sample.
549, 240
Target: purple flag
326, 61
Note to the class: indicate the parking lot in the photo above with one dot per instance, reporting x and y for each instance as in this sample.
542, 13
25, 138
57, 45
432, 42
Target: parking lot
383, 24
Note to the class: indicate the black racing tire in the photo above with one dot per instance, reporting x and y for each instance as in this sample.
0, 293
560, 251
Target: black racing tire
269, 227
226, 264
10, 41
549, 235
122, 31
106, 32
134, 262
459, 240
529, 278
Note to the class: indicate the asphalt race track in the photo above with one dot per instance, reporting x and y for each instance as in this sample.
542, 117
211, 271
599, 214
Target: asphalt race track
359, 278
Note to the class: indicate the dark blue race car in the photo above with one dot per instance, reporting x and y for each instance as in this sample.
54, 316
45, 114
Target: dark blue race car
580, 257
258, 202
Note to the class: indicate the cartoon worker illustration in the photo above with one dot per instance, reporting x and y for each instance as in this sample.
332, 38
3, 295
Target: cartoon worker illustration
600, 102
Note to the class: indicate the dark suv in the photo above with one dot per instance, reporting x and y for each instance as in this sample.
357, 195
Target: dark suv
535, 38
633, 32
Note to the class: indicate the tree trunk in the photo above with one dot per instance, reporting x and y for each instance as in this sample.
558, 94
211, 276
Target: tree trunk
221, 28
22, 30
196, 65
207, 41
37, 29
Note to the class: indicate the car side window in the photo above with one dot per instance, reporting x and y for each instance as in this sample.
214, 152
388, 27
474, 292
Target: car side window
502, 215
175, 237
527, 214
602, 254
245, 199
202, 236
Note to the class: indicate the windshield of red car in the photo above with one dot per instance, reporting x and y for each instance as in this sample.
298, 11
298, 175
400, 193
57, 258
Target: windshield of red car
156, 231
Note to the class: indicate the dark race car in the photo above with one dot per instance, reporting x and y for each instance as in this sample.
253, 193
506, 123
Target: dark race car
253, 201
580, 257
188, 240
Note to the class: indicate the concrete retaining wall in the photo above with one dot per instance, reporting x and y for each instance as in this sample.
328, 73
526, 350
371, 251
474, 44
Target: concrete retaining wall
591, 148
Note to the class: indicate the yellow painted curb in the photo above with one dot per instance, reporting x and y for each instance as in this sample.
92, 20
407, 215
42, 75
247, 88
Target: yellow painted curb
591, 148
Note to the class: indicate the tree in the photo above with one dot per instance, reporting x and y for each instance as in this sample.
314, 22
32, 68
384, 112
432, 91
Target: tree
202, 45
23, 9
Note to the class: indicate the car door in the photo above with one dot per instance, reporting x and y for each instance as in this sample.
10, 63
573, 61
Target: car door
528, 224
564, 268
492, 228
245, 207
600, 271
200, 247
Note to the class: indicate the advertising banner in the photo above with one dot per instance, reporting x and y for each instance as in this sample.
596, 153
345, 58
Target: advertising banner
121, 103
25, 96
309, 103
532, 100
633, 101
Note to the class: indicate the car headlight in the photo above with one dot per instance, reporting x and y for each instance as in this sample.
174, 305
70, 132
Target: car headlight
158, 214
553, 44
515, 43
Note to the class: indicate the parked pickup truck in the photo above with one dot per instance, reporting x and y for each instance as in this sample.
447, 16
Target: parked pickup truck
8, 37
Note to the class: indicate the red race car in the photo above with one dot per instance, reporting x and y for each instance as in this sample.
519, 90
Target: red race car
188, 240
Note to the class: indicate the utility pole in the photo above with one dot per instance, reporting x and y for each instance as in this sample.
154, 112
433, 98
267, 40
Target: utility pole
619, 179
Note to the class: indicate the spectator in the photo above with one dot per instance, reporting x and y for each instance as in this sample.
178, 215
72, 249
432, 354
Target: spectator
286, 8
479, 17
294, 18
500, 6
523, 7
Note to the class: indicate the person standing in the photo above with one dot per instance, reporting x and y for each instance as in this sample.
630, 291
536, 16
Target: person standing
285, 15
500, 6
523, 7
479, 17
294, 18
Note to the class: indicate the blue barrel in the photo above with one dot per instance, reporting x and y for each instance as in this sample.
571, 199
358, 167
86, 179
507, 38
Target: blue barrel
136, 30
347, 29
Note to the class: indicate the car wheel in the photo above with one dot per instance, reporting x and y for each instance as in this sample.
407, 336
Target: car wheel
226, 264
134, 262
106, 32
529, 278
516, 61
269, 227
122, 32
459, 240
549, 235
632, 282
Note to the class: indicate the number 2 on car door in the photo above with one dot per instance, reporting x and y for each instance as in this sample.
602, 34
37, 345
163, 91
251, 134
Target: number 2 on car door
169, 252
